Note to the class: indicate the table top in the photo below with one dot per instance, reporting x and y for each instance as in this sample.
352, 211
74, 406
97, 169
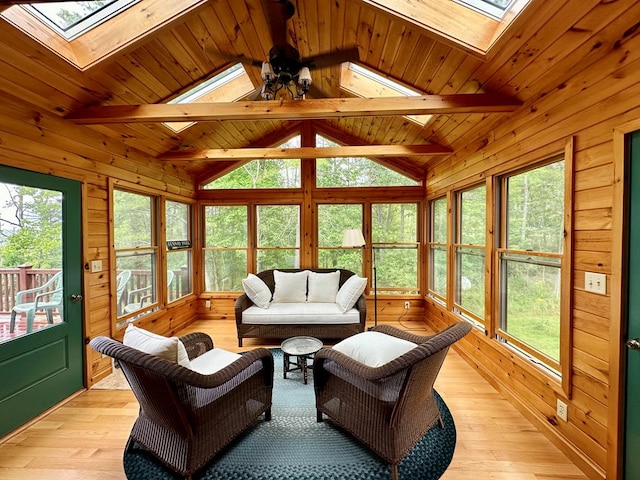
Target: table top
301, 345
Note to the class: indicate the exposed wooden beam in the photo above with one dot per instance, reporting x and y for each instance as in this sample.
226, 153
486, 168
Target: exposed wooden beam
307, 152
296, 109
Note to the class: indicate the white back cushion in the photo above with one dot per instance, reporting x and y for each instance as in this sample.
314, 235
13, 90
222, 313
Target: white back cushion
323, 287
291, 287
169, 348
350, 292
257, 291
374, 348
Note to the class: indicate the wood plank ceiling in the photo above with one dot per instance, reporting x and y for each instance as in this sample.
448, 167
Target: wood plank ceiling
174, 58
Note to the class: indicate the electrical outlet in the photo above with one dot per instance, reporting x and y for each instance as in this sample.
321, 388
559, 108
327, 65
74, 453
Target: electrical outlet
406, 305
207, 303
561, 410
595, 282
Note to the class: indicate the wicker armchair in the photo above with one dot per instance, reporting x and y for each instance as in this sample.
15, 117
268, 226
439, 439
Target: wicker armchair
185, 417
388, 408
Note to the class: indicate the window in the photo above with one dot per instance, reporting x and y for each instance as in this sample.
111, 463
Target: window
225, 247
178, 233
278, 230
530, 261
469, 248
333, 220
71, 19
228, 86
492, 8
263, 173
136, 252
394, 228
362, 82
438, 249
355, 172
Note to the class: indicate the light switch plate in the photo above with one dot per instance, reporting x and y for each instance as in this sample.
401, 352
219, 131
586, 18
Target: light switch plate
96, 266
595, 282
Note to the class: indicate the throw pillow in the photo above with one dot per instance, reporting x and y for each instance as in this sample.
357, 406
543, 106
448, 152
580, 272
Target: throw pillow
374, 348
291, 287
169, 348
323, 287
257, 291
350, 292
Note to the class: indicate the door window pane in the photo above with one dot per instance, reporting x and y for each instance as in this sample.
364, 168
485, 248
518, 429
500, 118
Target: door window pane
31, 290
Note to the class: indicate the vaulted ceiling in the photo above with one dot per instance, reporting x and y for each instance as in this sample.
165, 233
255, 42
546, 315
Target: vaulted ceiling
442, 50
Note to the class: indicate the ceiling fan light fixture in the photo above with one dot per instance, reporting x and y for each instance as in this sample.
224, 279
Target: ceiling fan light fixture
304, 78
267, 72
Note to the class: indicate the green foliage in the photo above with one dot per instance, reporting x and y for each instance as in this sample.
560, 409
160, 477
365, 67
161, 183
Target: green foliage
31, 227
80, 11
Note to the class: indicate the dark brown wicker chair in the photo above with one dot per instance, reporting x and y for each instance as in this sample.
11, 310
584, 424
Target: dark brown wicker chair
388, 408
186, 418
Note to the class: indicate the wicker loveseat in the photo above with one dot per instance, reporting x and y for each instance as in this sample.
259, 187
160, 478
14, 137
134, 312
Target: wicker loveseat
283, 323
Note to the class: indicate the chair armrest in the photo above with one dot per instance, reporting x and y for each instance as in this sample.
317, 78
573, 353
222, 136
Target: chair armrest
403, 334
360, 369
133, 293
196, 344
40, 296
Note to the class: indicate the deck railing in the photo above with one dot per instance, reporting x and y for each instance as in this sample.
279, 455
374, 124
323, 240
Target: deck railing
25, 277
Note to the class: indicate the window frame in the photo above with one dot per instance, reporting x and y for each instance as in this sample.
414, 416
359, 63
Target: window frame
473, 317
433, 246
189, 249
559, 370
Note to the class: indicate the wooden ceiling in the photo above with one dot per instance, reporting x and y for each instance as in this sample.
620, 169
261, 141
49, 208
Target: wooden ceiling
174, 57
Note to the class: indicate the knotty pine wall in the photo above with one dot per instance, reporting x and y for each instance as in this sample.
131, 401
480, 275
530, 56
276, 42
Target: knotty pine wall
45, 143
596, 100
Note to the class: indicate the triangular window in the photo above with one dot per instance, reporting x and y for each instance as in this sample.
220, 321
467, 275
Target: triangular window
263, 173
355, 172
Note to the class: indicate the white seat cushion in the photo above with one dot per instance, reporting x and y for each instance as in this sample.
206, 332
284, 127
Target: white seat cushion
374, 348
213, 360
299, 313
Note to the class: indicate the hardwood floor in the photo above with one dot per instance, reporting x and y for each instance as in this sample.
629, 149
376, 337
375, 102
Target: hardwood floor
84, 438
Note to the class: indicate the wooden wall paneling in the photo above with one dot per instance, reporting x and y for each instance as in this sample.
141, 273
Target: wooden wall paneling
436, 59
588, 385
364, 34
592, 240
154, 87
416, 60
305, 33
442, 75
192, 35
403, 52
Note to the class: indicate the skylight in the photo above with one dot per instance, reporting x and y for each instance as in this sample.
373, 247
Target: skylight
227, 86
492, 8
365, 83
71, 19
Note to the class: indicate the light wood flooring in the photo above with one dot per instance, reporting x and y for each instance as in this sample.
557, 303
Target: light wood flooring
84, 438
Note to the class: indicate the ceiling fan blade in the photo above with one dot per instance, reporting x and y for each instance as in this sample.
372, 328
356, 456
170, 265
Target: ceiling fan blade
317, 92
234, 58
278, 12
332, 58
253, 96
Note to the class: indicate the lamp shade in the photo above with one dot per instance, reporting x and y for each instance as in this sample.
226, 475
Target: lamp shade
352, 237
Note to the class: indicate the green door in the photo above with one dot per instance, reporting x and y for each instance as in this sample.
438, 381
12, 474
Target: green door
632, 413
41, 341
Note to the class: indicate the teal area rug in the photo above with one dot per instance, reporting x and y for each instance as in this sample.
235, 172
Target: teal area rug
294, 446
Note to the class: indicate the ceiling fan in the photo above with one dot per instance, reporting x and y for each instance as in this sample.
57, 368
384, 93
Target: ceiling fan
285, 70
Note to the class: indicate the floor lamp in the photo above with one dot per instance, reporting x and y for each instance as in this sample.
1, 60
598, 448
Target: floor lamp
353, 238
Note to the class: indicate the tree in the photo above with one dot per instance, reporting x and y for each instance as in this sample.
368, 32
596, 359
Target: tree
31, 227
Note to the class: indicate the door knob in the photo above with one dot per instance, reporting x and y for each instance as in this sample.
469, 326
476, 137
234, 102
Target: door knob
75, 298
633, 344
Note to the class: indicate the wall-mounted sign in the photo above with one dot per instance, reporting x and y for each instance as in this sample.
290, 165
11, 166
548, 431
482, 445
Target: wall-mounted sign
178, 244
